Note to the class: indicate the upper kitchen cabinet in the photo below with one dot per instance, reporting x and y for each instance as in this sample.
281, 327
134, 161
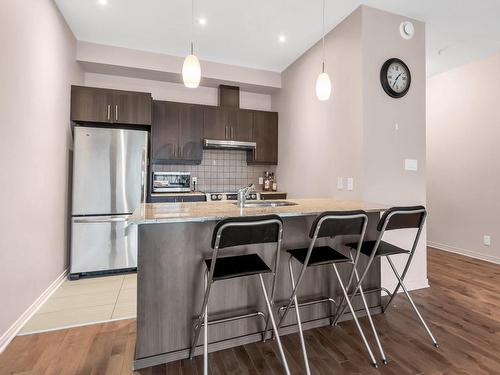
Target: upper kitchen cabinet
89, 104
176, 133
265, 134
227, 124
132, 107
214, 124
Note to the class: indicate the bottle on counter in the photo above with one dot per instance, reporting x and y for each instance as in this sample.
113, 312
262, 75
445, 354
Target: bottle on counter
274, 184
267, 181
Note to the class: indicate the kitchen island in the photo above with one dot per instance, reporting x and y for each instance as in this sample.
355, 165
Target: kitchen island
173, 240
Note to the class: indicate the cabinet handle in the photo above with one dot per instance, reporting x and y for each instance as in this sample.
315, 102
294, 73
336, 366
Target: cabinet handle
116, 112
231, 136
109, 112
225, 132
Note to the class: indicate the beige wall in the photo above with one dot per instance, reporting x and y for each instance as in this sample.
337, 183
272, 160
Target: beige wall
37, 67
176, 92
463, 184
319, 141
354, 134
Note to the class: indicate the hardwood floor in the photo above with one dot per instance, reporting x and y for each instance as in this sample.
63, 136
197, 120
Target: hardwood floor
462, 308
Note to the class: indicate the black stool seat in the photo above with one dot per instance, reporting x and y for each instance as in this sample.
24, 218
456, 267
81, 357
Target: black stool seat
384, 248
238, 266
319, 255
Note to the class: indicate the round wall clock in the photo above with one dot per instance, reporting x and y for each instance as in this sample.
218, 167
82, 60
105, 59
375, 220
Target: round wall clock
395, 78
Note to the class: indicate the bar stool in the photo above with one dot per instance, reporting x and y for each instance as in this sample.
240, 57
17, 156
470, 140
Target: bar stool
329, 224
393, 219
229, 233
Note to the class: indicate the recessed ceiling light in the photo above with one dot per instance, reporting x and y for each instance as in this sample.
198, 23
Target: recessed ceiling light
282, 38
202, 21
102, 2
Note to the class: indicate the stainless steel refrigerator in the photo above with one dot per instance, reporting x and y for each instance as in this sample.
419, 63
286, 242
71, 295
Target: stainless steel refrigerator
109, 182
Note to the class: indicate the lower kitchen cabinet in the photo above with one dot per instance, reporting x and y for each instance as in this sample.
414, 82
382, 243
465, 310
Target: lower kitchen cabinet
177, 198
265, 134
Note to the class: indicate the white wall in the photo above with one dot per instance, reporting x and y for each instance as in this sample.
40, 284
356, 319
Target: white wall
176, 92
463, 132
37, 68
353, 134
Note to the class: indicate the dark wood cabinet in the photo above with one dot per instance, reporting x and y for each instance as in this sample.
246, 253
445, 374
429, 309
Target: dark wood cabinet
90, 104
265, 134
158, 198
228, 124
213, 124
267, 195
176, 133
191, 133
132, 107
244, 125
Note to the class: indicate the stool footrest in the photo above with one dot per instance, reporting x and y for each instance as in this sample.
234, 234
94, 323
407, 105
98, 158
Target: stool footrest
374, 290
235, 317
308, 303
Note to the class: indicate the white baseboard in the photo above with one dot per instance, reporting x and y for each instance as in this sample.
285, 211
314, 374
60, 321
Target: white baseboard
12, 331
468, 253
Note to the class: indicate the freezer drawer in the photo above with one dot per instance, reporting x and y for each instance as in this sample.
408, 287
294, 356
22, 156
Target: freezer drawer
102, 243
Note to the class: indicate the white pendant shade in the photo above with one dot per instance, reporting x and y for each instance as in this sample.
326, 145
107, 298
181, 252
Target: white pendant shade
191, 71
323, 86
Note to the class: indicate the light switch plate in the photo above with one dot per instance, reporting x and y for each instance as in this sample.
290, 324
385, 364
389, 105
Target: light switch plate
486, 240
340, 183
411, 164
350, 183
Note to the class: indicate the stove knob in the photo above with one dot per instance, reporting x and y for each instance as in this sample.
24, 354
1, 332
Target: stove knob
213, 197
219, 197
253, 196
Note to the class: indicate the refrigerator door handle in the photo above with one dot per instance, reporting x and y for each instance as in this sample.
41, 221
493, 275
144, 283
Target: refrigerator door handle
144, 174
101, 219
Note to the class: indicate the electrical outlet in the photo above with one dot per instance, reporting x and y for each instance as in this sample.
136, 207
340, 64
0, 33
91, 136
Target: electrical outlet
195, 180
261, 180
486, 240
350, 183
396, 127
340, 183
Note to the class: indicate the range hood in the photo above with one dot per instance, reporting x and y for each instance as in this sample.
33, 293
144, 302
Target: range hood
228, 145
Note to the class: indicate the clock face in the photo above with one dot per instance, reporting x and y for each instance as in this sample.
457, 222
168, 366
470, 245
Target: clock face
395, 78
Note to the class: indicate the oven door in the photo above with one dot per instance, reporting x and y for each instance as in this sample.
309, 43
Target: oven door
103, 243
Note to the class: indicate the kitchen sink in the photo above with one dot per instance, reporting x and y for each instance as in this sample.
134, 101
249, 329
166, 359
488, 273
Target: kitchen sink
268, 204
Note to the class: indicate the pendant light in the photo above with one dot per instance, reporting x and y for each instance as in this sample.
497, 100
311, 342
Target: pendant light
323, 85
191, 70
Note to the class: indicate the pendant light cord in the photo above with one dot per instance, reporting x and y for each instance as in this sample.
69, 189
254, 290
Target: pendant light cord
323, 41
192, 25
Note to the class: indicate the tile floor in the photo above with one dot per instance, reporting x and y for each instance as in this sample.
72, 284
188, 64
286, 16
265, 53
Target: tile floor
86, 301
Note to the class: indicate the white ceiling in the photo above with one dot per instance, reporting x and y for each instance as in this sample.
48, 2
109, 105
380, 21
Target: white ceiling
246, 33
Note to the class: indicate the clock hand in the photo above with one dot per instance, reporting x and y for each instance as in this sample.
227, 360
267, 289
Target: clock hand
394, 84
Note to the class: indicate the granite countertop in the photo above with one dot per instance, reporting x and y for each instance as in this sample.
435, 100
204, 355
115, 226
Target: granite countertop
151, 213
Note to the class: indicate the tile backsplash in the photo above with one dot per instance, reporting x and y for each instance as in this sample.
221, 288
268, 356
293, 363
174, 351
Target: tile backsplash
222, 170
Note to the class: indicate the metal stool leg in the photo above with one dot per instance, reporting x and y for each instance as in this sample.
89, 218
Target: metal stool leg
377, 339
202, 317
412, 303
348, 301
273, 322
299, 322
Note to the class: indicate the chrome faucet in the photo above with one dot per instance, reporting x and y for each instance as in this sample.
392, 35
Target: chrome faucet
242, 194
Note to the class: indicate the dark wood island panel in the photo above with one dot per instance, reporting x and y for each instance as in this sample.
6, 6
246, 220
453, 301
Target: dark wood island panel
170, 288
